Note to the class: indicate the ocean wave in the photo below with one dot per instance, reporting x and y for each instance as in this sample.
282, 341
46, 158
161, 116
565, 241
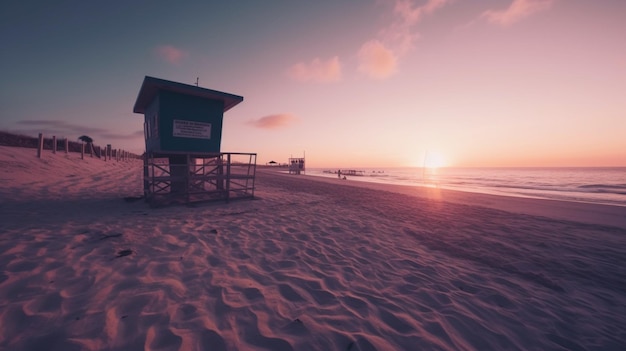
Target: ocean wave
603, 186
598, 185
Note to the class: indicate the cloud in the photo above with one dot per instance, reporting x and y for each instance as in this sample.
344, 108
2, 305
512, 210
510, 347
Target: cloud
118, 136
516, 11
170, 54
317, 71
413, 14
377, 61
401, 33
273, 121
378, 58
60, 126
65, 129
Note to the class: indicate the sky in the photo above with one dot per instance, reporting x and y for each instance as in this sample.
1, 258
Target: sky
345, 83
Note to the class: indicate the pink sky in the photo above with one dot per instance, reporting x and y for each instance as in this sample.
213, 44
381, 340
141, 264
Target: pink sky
479, 83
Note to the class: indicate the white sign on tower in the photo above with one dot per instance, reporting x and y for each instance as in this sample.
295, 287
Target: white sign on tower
192, 129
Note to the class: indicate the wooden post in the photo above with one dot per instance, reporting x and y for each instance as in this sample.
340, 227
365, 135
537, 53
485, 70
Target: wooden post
40, 146
109, 151
82, 150
67, 144
180, 175
146, 174
227, 177
54, 144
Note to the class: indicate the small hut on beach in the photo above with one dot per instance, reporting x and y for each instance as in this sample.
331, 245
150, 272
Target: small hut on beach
183, 132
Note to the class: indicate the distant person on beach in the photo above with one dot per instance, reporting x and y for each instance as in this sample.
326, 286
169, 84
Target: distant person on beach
339, 174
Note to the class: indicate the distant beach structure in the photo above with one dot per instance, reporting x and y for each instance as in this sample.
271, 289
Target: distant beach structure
296, 165
183, 132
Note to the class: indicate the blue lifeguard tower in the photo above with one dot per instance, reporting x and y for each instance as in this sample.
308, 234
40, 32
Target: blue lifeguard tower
183, 133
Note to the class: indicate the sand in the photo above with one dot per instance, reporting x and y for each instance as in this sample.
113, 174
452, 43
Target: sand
309, 264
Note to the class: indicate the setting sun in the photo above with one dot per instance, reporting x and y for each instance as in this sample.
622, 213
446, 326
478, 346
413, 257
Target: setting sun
434, 160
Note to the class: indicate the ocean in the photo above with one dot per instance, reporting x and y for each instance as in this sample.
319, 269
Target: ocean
593, 185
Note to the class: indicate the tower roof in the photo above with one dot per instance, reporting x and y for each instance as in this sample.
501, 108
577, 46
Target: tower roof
151, 87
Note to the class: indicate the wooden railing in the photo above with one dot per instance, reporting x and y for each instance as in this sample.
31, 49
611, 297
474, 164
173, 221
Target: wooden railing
202, 177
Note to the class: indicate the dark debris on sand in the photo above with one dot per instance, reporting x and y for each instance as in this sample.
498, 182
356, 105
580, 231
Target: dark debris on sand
123, 253
107, 236
133, 198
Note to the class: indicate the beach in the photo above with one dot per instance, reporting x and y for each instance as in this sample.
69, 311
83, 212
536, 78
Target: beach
308, 264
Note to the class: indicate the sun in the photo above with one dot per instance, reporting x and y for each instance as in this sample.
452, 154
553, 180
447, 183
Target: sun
434, 159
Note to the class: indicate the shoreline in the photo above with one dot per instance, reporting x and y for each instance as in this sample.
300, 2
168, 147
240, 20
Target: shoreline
515, 190
583, 212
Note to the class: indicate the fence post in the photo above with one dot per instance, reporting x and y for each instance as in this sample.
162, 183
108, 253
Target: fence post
54, 144
108, 152
67, 144
82, 150
40, 145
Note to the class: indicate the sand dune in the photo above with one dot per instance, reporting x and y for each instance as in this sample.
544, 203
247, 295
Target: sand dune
308, 265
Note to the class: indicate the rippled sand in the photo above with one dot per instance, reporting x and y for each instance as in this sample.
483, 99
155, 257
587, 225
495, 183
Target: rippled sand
309, 264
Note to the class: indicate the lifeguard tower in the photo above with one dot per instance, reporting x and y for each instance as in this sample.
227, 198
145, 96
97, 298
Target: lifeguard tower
296, 165
183, 131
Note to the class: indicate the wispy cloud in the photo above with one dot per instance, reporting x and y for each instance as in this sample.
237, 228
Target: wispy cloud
70, 130
170, 53
60, 126
378, 58
517, 10
120, 136
376, 61
317, 70
402, 32
273, 121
